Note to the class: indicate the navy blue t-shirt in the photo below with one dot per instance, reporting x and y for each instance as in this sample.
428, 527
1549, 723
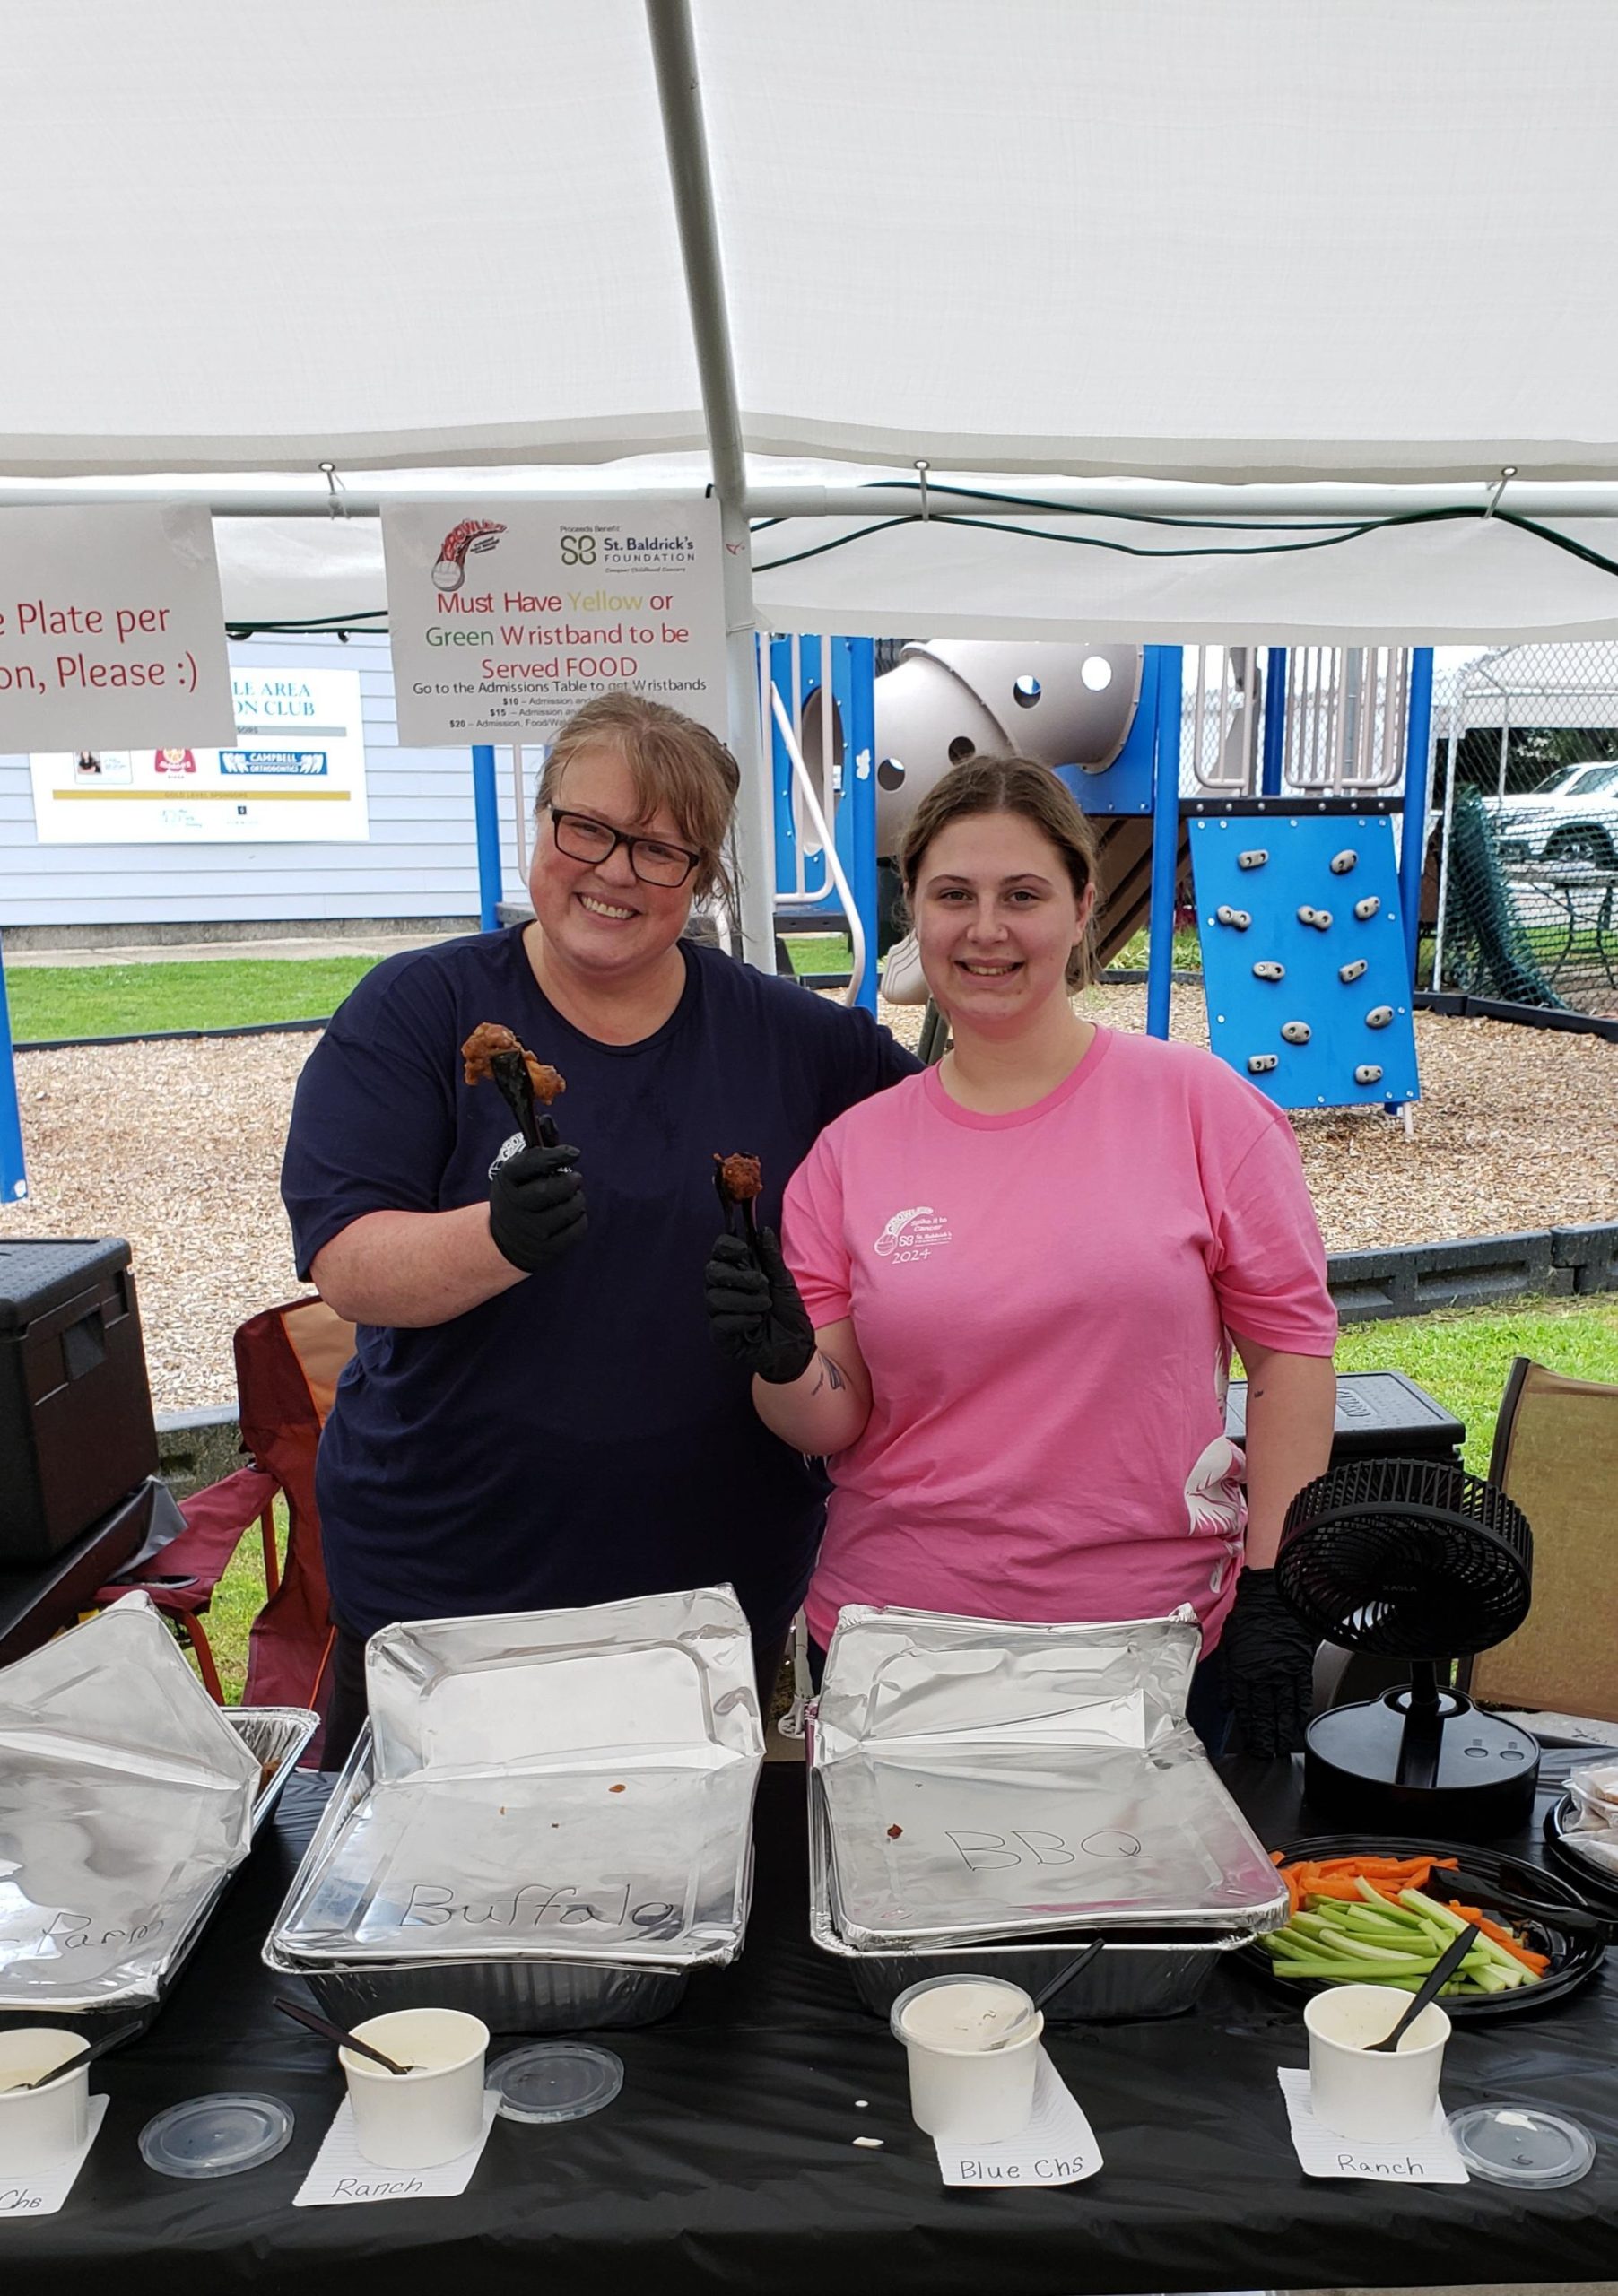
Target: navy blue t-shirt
578, 1437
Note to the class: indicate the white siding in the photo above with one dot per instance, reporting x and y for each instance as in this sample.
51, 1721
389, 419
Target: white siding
421, 859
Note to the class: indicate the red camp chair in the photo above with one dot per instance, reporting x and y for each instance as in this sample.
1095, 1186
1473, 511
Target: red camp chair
288, 1363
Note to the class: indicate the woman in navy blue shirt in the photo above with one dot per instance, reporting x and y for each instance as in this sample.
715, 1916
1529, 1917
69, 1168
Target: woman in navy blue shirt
535, 1414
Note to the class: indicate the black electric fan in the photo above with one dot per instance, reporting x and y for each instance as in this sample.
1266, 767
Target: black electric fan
1417, 1559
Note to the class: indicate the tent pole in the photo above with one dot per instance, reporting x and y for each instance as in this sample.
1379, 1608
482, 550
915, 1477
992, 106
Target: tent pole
685, 139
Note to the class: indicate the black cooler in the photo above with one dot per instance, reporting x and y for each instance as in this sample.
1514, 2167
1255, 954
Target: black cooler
76, 1432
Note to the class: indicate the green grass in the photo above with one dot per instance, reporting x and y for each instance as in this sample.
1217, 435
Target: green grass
1133, 956
1462, 1357
1461, 1360
819, 952
213, 993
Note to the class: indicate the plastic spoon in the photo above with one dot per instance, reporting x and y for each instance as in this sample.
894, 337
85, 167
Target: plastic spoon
85, 2056
1448, 1961
1068, 1971
336, 2033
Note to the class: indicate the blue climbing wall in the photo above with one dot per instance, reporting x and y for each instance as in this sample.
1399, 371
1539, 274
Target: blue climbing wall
1247, 1011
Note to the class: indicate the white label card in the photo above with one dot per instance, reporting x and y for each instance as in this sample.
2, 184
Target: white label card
43, 2194
1432, 2160
1058, 2147
341, 2176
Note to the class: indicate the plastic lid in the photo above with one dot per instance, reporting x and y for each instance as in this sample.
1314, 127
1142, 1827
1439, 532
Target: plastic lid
553, 2081
1519, 2144
216, 2136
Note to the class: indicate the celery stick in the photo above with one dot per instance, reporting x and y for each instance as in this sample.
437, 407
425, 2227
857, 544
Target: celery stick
1518, 1971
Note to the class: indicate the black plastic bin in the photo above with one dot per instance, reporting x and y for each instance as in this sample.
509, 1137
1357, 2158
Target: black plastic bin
76, 1431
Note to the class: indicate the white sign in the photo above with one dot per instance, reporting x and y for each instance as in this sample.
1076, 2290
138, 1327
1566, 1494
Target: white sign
111, 628
505, 615
294, 775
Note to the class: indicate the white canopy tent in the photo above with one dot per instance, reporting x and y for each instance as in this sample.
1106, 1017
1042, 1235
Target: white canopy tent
1210, 238
1192, 257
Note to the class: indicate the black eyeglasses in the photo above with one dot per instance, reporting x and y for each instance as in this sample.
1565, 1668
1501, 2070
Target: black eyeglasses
653, 861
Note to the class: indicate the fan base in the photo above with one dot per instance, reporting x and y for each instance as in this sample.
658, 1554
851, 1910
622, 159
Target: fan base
1393, 1764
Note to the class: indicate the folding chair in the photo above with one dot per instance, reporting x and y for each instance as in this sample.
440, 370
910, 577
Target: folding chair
288, 1363
1556, 1454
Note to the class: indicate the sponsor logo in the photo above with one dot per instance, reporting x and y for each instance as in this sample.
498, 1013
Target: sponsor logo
303, 762
914, 1233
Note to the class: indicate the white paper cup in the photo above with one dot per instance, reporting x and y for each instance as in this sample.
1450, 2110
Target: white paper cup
421, 2118
41, 2128
963, 2089
1380, 2099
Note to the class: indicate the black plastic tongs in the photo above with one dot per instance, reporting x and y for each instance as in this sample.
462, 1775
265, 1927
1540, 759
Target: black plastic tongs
509, 1071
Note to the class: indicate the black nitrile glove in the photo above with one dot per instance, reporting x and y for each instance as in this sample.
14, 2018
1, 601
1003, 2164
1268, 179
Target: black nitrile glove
535, 1206
1269, 1669
753, 1307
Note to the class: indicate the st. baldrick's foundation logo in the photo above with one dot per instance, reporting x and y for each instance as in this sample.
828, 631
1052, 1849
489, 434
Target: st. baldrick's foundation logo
912, 1234
471, 535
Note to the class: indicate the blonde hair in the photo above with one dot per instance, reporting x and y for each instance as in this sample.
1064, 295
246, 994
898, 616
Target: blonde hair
673, 763
1012, 785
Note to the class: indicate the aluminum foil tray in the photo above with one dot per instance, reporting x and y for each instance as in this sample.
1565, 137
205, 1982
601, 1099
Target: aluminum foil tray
125, 1801
1127, 1978
572, 1786
984, 1782
275, 1736
530, 1996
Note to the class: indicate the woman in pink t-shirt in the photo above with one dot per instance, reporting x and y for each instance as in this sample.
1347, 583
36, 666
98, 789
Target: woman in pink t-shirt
1011, 1286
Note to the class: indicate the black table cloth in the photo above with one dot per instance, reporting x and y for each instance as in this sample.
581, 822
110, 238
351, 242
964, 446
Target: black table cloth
728, 2161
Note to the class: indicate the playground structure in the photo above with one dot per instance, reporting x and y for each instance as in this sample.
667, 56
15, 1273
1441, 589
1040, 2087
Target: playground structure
1264, 784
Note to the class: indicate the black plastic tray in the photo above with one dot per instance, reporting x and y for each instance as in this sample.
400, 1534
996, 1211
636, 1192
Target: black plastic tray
1599, 1888
1574, 1959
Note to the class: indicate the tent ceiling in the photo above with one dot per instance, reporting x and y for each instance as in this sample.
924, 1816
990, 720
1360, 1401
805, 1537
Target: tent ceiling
1220, 239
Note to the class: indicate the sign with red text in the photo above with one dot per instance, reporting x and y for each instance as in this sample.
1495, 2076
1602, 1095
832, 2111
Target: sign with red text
505, 615
294, 775
111, 629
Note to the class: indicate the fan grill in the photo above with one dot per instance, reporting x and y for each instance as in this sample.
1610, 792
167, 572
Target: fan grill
1408, 1557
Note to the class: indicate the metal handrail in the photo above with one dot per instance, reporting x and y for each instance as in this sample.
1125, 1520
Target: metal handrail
806, 782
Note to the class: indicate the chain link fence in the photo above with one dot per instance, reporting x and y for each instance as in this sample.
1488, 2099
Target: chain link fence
1522, 902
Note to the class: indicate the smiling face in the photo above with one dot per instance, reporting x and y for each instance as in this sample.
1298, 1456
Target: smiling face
998, 921
596, 916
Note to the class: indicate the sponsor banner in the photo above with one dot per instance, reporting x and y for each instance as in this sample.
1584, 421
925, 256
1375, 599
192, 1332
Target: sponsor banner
505, 615
294, 776
112, 631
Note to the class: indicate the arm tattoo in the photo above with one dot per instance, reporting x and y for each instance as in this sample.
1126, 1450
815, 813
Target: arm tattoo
828, 1373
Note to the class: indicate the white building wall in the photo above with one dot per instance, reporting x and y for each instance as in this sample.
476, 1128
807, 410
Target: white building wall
420, 860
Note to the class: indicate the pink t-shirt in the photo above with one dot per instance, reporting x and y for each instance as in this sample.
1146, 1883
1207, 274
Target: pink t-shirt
1042, 1300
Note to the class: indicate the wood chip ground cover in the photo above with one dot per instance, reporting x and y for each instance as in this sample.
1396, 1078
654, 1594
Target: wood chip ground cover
178, 1147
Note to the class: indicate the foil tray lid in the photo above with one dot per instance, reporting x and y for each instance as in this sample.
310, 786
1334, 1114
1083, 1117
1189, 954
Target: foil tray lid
564, 1785
986, 1781
125, 1798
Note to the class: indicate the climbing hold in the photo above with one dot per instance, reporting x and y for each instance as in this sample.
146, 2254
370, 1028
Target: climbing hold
1320, 919
1255, 859
1342, 862
1296, 1032
1369, 1074
1367, 907
1379, 1016
1269, 970
1239, 919
1351, 973
1261, 1063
